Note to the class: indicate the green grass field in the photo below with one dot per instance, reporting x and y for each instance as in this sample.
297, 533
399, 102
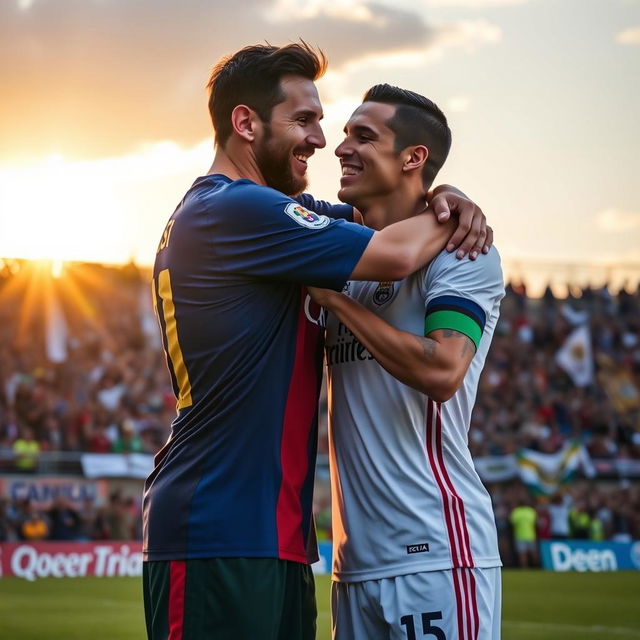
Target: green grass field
537, 606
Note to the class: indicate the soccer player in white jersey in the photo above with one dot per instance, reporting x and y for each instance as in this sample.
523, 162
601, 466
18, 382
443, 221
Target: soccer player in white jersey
415, 544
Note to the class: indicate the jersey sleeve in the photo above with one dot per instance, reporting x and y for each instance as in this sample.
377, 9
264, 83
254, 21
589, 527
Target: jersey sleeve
461, 294
338, 211
266, 234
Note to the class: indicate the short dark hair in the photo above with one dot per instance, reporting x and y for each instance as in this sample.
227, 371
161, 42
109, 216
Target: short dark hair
252, 77
417, 120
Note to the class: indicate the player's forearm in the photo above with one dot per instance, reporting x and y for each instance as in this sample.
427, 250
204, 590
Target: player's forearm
418, 362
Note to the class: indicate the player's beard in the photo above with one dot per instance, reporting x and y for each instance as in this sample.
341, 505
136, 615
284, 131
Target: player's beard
274, 162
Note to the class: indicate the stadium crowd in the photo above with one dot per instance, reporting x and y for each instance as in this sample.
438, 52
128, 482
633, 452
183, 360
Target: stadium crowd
82, 370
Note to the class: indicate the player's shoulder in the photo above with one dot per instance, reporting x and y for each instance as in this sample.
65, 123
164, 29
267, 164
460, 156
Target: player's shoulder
246, 192
485, 268
237, 204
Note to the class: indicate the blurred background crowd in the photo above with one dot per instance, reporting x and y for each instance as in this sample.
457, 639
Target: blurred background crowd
82, 370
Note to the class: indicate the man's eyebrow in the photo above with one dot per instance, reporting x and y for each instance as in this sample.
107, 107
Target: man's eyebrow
360, 128
309, 113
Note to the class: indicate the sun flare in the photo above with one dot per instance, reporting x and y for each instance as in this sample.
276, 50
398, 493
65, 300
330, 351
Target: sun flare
106, 210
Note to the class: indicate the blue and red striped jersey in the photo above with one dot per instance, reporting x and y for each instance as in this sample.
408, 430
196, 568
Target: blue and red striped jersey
244, 350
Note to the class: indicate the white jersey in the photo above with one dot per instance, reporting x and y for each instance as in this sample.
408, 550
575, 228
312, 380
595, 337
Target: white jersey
405, 494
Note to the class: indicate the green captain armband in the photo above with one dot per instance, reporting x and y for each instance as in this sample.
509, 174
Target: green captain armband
457, 314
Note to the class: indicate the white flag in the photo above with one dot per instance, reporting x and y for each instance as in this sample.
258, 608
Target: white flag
56, 331
574, 316
576, 357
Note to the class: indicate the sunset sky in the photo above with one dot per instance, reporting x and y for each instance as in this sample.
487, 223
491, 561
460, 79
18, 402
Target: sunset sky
103, 119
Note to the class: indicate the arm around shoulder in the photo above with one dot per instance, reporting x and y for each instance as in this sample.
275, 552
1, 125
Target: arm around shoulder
402, 248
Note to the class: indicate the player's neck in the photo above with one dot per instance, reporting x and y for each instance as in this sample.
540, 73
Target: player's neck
236, 165
403, 203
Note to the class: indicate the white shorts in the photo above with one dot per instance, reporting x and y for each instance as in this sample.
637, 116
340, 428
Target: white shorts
458, 604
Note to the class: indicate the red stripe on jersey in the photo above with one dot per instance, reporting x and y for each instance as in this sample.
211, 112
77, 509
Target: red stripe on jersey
430, 438
462, 521
177, 574
300, 409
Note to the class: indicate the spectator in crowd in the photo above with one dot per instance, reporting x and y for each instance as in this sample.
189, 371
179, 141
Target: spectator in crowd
579, 521
7, 531
98, 442
596, 527
625, 516
128, 440
502, 512
523, 520
118, 519
26, 451
559, 513
88, 515
543, 520
64, 519
35, 526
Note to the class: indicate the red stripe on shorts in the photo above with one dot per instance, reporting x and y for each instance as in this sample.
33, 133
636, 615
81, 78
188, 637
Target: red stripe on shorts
456, 586
177, 574
474, 605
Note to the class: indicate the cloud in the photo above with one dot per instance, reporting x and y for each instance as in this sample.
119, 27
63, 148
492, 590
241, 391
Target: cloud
617, 221
467, 35
95, 78
473, 4
629, 36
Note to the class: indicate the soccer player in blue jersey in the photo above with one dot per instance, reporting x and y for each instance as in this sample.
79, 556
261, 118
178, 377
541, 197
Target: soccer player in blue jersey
228, 531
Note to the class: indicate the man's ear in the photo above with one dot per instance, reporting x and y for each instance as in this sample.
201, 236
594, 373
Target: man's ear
244, 121
414, 157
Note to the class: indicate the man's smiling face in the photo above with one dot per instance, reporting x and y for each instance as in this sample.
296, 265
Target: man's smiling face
371, 167
291, 136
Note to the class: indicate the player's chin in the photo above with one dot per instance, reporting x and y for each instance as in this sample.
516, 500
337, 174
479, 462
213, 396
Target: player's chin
349, 195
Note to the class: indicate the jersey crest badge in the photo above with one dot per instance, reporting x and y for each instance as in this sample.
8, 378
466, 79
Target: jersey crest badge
383, 293
304, 217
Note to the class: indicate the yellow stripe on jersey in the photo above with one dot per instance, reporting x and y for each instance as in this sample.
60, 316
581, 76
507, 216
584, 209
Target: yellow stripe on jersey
175, 352
154, 298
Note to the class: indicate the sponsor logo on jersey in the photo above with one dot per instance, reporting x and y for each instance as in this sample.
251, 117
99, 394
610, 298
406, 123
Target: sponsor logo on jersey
383, 293
314, 312
422, 547
343, 347
304, 217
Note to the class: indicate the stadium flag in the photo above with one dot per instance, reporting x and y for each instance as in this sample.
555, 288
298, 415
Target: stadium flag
576, 357
55, 331
496, 468
543, 473
574, 316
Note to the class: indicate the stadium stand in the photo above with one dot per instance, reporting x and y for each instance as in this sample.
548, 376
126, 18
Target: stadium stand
82, 371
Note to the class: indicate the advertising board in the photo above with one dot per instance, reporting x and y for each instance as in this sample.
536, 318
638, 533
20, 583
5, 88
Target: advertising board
574, 555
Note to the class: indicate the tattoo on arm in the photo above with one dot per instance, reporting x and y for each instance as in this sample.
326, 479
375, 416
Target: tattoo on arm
428, 347
468, 345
